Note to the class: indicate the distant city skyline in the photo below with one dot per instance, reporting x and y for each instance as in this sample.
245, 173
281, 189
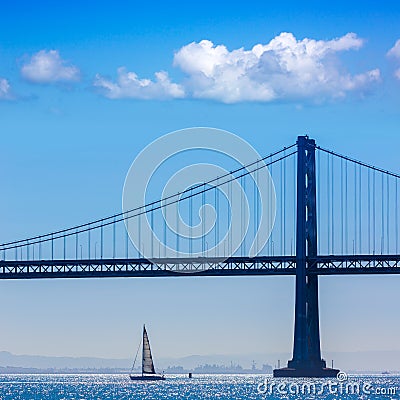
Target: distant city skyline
367, 361
85, 87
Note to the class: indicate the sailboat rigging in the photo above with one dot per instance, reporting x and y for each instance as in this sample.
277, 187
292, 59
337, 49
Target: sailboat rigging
148, 370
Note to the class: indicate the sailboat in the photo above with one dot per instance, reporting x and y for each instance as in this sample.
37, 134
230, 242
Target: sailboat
148, 370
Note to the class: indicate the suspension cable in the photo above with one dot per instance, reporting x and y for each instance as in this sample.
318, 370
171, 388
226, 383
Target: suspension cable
156, 205
359, 162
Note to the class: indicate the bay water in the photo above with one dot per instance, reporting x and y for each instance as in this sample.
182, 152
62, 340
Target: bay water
221, 387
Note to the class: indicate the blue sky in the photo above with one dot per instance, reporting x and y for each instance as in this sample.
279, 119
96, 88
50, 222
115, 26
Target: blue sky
67, 145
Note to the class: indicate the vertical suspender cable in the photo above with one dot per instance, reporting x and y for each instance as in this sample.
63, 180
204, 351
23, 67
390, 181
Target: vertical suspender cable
101, 240
242, 207
369, 212
89, 242
284, 205
346, 210
76, 244
229, 244
333, 204
177, 224
152, 232
359, 210
218, 215
139, 234
258, 200
191, 221
203, 225
127, 238
373, 212
396, 217
382, 215
256, 213
165, 227
271, 240
294, 200
255, 223
281, 205
355, 209
329, 203
341, 206
114, 237
318, 196
387, 215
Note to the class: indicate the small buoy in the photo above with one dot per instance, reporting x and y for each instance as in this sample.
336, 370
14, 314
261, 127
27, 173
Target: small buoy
190, 374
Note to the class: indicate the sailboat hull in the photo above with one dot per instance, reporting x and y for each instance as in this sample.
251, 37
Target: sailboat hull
147, 377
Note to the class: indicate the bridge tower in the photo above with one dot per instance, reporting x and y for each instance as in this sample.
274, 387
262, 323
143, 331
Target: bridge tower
306, 361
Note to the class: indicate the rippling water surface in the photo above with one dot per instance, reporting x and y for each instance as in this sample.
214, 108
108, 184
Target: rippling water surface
91, 387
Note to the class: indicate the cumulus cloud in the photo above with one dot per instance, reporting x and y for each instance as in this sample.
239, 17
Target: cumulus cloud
282, 70
5, 90
395, 53
48, 67
128, 85
395, 50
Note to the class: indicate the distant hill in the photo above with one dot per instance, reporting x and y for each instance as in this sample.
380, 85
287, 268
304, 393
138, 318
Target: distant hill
44, 362
348, 361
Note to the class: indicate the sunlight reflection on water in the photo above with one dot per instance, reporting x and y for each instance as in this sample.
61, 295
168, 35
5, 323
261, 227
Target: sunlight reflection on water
221, 387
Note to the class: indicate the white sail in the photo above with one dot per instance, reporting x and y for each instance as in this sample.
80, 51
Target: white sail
147, 361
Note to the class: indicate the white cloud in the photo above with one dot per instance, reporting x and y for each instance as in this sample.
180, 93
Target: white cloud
5, 90
283, 69
128, 85
395, 52
48, 67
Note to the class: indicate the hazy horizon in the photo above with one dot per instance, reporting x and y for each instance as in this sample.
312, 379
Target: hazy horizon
349, 361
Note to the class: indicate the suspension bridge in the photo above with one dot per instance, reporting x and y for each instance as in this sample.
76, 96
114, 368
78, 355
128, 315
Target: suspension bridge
334, 216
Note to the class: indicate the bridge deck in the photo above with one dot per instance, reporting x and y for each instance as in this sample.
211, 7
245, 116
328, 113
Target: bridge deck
207, 266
